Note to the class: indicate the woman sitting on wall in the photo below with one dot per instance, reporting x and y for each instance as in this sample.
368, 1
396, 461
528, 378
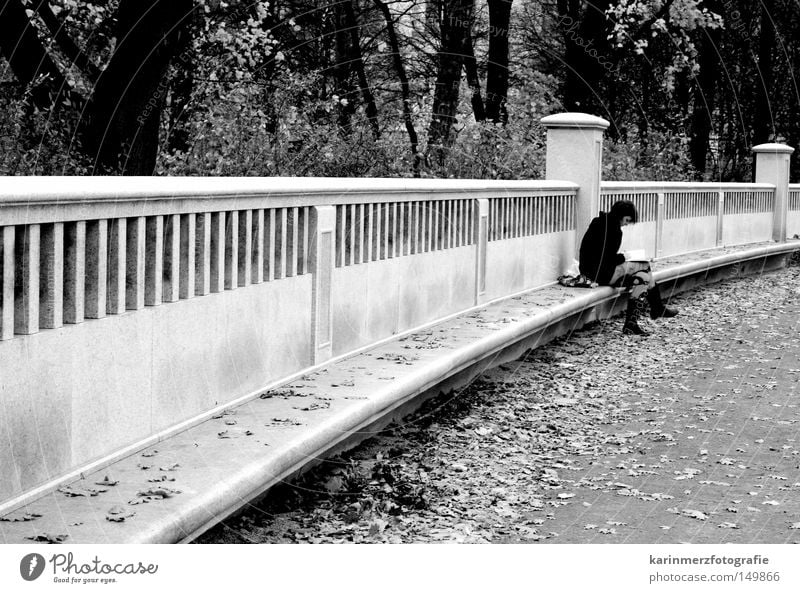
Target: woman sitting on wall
600, 261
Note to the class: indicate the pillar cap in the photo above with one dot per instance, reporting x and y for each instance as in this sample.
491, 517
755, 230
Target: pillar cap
773, 148
574, 120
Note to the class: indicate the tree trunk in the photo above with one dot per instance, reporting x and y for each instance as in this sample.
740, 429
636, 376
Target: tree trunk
455, 29
121, 132
704, 99
471, 70
585, 37
497, 68
405, 90
342, 69
357, 63
763, 123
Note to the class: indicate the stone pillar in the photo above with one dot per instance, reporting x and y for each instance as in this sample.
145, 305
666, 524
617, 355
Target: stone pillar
772, 166
575, 153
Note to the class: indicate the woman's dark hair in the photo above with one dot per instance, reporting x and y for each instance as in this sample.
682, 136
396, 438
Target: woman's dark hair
624, 208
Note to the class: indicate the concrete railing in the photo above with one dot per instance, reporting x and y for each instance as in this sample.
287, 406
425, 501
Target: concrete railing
131, 307
793, 214
684, 217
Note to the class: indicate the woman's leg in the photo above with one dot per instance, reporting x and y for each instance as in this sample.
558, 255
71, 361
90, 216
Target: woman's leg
637, 277
657, 306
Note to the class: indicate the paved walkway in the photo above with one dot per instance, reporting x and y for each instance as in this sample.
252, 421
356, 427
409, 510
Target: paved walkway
689, 435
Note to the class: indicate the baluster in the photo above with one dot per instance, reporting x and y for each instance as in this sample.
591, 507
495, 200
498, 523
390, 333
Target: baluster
305, 236
358, 227
96, 269
202, 262
217, 263
280, 244
135, 262
26, 314
341, 233
269, 244
117, 249
188, 246
245, 250
370, 232
291, 241
7, 237
172, 258
258, 246
51, 283
74, 272
231, 249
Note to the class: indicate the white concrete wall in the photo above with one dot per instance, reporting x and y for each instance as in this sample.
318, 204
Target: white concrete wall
751, 227
375, 300
793, 223
77, 393
682, 235
513, 265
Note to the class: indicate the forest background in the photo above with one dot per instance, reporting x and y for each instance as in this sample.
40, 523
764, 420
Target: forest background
392, 88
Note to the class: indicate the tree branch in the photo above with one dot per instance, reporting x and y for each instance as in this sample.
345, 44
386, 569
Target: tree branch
64, 41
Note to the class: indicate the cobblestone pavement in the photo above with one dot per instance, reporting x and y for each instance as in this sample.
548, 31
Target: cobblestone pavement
688, 435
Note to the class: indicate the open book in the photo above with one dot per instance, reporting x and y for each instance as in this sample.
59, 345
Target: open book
637, 255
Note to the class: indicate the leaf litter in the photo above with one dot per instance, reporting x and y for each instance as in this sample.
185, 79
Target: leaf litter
538, 449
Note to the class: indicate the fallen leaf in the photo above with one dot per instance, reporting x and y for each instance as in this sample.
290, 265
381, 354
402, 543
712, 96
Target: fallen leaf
158, 491
694, 514
24, 518
377, 526
72, 492
118, 514
334, 485
48, 538
162, 478
323, 405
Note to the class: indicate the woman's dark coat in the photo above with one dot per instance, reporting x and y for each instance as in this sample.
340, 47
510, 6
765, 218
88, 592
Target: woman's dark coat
598, 253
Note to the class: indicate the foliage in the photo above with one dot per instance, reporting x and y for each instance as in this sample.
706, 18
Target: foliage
33, 142
273, 89
664, 157
642, 26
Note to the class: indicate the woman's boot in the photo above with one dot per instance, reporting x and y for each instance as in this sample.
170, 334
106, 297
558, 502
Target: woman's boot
634, 312
657, 307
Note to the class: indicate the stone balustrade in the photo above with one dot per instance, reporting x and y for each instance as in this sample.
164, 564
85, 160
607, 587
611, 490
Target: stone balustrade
131, 307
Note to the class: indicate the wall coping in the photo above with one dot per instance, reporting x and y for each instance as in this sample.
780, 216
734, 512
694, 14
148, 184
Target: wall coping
58, 190
773, 148
674, 186
575, 120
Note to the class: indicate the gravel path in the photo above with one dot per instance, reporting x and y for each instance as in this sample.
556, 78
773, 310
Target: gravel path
689, 435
